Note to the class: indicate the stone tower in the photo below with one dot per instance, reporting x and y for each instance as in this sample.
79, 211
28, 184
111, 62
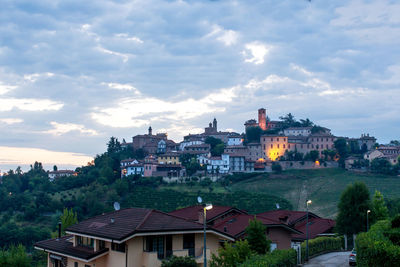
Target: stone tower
150, 131
262, 118
215, 124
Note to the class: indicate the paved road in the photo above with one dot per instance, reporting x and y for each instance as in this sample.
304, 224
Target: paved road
334, 259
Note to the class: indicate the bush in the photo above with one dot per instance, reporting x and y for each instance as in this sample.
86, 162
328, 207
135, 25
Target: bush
232, 255
175, 261
396, 221
277, 258
276, 167
321, 244
374, 248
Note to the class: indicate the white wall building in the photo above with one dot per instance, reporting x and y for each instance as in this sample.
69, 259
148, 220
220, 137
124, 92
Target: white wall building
297, 131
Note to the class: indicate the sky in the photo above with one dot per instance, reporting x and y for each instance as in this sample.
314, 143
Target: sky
74, 73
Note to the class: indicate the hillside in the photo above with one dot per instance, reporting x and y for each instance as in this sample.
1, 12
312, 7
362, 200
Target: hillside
323, 187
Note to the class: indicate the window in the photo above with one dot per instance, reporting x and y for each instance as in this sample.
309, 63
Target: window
278, 145
102, 244
188, 243
272, 146
85, 241
155, 244
118, 247
277, 139
75, 264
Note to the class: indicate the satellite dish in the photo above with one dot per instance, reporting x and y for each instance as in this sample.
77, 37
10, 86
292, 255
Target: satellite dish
116, 206
199, 199
277, 206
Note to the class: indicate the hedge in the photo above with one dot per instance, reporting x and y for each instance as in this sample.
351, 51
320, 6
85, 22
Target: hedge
277, 258
321, 244
374, 248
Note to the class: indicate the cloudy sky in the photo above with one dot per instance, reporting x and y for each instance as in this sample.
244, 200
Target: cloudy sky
73, 73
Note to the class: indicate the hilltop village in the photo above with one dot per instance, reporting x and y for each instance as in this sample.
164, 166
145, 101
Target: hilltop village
264, 146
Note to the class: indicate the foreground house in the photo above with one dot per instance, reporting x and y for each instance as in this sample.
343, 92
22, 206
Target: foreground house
132, 237
285, 228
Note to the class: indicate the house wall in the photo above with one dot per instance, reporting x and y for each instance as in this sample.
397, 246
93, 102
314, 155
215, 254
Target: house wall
273, 146
281, 237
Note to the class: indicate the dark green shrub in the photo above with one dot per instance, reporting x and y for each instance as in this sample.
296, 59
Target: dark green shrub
277, 258
396, 221
175, 261
320, 245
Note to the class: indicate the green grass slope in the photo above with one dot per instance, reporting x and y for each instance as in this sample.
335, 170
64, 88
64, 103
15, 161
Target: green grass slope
322, 186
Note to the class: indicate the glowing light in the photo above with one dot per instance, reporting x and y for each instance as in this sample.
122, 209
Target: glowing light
317, 163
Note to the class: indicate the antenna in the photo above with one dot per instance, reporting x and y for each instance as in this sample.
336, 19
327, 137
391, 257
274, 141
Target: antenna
199, 199
277, 206
116, 206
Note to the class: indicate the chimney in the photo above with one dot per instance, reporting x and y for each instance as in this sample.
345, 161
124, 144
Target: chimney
59, 230
201, 216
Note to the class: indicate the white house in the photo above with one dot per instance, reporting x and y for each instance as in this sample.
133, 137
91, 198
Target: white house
297, 131
218, 164
60, 173
234, 140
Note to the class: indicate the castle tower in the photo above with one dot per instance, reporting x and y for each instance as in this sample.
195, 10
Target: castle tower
150, 131
215, 124
262, 119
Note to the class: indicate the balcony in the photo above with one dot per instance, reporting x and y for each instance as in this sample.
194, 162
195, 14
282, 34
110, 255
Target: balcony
198, 252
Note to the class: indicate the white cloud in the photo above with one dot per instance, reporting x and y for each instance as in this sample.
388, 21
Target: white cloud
227, 37
10, 121
24, 156
35, 76
301, 69
255, 52
130, 112
63, 128
129, 38
125, 57
29, 104
6, 88
122, 87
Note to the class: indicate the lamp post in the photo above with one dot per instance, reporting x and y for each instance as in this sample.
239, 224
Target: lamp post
307, 203
368, 211
205, 208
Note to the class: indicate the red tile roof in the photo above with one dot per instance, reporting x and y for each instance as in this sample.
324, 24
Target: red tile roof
316, 227
127, 222
192, 213
236, 225
64, 246
291, 215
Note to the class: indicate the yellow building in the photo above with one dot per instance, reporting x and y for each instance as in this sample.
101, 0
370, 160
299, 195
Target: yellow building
273, 146
169, 158
132, 237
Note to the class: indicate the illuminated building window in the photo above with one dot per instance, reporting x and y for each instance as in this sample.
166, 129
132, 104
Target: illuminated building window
272, 146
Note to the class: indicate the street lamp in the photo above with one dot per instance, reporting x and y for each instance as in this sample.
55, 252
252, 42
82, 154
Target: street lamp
368, 211
205, 208
307, 203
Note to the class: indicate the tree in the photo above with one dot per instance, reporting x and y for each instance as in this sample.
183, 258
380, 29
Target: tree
232, 255
353, 206
256, 237
253, 134
306, 123
289, 121
276, 167
313, 155
68, 218
382, 165
15, 256
342, 149
55, 168
175, 261
218, 150
379, 210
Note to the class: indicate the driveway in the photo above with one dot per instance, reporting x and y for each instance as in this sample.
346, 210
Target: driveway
333, 259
